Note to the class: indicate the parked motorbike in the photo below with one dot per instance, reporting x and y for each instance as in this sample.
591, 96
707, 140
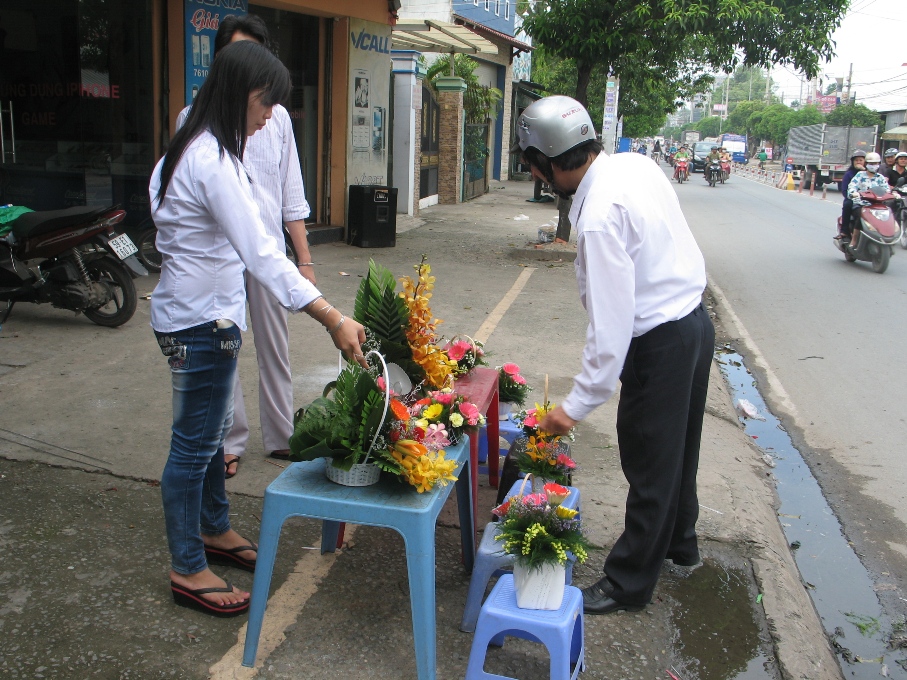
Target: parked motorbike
713, 173
880, 231
73, 259
681, 170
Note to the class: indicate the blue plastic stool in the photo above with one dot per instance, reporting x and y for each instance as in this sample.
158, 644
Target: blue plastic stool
491, 560
561, 631
507, 429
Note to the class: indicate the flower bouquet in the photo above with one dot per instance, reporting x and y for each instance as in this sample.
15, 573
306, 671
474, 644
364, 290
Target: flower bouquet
443, 417
512, 387
350, 426
466, 353
544, 455
540, 532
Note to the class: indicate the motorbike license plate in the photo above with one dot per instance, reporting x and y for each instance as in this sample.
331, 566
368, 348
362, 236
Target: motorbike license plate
123, 246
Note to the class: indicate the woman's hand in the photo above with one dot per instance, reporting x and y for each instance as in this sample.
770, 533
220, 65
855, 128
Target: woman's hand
348, 339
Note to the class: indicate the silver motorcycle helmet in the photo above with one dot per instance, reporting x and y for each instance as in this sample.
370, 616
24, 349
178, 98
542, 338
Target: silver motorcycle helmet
553, 125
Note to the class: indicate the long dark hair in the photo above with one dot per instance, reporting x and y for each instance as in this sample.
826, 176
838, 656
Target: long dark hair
240, 69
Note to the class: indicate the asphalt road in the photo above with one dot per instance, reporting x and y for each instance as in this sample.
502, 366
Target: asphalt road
824, 338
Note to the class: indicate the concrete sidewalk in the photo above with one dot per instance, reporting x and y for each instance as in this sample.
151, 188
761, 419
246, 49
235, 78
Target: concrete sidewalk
84, 435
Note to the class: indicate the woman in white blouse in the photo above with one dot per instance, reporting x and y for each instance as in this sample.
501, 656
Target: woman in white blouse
209, 232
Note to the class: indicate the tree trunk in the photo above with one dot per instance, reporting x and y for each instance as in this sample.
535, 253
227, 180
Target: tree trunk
583, 76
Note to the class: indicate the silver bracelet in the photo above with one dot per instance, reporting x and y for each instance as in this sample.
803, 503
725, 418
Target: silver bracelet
305, 264
337, 327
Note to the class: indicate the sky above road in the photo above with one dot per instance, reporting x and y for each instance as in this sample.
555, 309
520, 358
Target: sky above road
872, 37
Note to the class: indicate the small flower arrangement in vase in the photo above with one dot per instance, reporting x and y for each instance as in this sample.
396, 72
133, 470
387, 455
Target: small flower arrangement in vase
541, 454
466, 353
513, 390
539, 532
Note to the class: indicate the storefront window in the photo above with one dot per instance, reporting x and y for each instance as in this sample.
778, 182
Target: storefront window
77, 106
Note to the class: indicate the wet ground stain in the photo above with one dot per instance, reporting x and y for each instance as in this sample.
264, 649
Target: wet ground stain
837, 582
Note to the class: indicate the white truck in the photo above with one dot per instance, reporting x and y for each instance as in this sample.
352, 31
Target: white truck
823, 151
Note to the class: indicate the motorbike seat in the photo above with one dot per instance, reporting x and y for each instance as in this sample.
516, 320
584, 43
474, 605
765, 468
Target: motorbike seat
45, 221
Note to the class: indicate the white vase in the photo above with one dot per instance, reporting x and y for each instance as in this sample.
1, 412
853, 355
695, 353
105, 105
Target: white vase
505, 409
541, 587
538, 484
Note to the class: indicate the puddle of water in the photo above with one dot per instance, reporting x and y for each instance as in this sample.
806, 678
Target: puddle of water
718, 636
839, 585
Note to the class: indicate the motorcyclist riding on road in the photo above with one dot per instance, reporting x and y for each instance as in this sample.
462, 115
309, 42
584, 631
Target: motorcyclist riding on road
857, 163
864, 180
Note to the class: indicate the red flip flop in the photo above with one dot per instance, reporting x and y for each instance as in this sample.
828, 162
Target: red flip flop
193, 599
230, 558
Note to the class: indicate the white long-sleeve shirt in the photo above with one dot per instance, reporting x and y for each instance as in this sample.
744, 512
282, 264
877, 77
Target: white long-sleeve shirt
209, 231
273, 163
637, 267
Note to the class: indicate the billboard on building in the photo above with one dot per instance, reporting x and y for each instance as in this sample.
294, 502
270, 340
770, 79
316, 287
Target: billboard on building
201, 20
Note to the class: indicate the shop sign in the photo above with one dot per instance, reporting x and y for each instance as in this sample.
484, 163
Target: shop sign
201, 21
371, 42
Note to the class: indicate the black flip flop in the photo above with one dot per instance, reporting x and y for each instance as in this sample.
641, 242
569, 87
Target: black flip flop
227, 473
193, 599
230, 558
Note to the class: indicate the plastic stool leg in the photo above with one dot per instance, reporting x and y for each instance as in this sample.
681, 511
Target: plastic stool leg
271, 522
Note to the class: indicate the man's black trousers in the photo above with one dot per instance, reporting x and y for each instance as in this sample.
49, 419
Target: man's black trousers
664, 383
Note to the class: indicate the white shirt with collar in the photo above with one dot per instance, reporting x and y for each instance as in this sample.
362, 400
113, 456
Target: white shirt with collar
272, 161
209, 231
637, 267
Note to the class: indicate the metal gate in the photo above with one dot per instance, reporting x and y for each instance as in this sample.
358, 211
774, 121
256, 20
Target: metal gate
430, 144
475, 159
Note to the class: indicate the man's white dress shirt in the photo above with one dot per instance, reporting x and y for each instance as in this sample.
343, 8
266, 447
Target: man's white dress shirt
637, 267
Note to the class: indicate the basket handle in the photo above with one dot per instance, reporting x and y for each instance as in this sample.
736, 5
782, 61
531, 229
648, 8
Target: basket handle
528, 476
387, 401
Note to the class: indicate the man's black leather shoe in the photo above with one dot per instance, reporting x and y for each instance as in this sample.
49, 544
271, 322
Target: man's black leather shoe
597, 599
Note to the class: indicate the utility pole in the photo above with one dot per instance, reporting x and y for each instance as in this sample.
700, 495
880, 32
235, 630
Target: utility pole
849, 80
768, 82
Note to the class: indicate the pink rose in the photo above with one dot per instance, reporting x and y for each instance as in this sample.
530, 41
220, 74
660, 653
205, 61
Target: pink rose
445, 398
511, 369
470, 412
519, 380
530, 421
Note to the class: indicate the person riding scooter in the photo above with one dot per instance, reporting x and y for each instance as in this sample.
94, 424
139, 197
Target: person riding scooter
898, 171
681, 160
857, 163
864, 180
713, 157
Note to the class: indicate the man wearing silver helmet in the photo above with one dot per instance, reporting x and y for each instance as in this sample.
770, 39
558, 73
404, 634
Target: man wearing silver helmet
641, 277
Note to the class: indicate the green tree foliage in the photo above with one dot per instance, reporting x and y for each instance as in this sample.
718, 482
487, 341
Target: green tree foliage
854, 114
708, 126
619, 35
646, 95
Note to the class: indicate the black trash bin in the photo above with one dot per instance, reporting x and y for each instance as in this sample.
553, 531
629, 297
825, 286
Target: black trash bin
372, 219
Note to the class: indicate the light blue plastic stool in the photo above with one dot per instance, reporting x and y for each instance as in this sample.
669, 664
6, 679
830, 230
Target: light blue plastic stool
507, 429
491, 560
561, 631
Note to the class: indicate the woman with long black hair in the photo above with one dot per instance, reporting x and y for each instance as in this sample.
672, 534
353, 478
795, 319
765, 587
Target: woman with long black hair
209, 232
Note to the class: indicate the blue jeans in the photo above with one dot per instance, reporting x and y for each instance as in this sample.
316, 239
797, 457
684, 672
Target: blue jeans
202, 366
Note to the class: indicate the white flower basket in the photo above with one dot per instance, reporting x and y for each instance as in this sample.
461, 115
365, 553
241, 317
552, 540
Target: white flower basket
364, 473
361, 474
541, 587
